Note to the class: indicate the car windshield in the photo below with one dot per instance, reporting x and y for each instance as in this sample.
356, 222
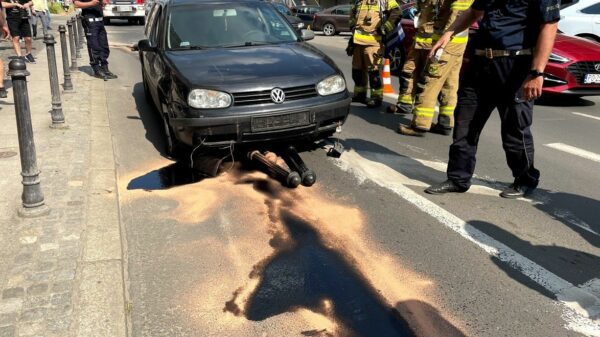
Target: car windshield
226, 25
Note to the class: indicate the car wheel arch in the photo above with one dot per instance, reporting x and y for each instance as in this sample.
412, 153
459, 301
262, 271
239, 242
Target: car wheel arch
589, 37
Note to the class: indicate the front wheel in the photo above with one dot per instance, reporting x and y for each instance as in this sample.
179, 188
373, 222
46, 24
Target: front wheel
174, 148
329, 29
106, 21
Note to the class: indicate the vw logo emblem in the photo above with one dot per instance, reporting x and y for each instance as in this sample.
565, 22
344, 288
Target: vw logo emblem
597, 66
277, 95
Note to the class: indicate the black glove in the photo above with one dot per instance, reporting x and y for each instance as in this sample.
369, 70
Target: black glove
350, 48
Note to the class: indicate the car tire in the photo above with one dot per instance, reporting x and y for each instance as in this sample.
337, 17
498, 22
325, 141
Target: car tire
590, 37
397, 57
173, 147
147, 93
106, 21
329, 29
142, 21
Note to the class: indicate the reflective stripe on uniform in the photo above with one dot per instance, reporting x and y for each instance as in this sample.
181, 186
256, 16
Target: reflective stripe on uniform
447, 110
376, 93
405, 99
366, 37
391, 4
360, 89
419, 39
460, 38
424, 112
460, 6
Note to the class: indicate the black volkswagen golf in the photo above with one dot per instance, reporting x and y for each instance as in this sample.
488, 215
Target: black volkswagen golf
225, 72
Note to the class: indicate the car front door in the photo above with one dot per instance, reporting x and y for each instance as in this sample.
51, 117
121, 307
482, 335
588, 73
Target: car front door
593, 12
152, 59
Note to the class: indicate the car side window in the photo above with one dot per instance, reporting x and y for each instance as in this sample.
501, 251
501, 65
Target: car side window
151, 20
156, 24
593, 9
343, 11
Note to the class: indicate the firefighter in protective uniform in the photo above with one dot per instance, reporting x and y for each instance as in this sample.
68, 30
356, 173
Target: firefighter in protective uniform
440, 77
415, 61
370, 20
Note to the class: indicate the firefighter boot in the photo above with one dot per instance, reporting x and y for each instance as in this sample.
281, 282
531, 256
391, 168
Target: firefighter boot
440, 129
400, 108
374, 102
409, 131
108, 73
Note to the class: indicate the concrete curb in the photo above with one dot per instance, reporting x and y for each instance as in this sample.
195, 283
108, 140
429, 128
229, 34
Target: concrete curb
102, 290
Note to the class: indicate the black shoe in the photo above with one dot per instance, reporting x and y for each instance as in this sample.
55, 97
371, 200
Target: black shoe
3, 93
447, 186
108, 73
374, 102
515, 191
30, 58
441, 130
100, 74
399, 109
359, 99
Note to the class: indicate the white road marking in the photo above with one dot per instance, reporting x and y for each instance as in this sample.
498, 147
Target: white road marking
584, 115
575, 151
581, 308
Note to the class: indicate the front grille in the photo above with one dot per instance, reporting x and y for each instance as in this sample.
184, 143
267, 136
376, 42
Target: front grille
579, 69
264, 96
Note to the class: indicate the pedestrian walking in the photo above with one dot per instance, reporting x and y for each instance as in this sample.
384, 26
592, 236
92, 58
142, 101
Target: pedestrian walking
17, 17
5, 33
440, 76
511, 49
40, 15
95, 33
370, 20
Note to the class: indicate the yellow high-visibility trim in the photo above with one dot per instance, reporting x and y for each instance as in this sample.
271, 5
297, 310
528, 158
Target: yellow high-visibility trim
368, 7
405, 99
424, 39
376, 92
391, 4
366, 37
447, 110
424, 112
458, 39
460, 6
360, 90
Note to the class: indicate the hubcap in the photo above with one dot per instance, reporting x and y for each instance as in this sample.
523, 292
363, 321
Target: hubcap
328, 29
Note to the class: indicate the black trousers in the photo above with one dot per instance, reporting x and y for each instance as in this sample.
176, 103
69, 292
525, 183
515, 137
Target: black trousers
487, 85
97, 43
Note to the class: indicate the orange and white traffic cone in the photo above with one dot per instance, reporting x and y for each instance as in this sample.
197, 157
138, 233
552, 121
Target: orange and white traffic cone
387, 78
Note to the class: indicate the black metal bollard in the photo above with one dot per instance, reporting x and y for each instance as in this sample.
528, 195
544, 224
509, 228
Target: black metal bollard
68, 84
32, 197
58, 119
81, 31
76, 38
72, 45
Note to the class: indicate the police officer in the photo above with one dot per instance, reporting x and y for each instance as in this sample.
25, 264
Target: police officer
511, 49
370, 20
95, 33
440, 76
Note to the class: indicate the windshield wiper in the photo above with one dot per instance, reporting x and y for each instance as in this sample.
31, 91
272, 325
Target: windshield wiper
248, 44
190, 48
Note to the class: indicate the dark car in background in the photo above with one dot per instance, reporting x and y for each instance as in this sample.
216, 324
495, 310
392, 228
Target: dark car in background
295, 21
333, 20
249, 77
131, 10
306, 13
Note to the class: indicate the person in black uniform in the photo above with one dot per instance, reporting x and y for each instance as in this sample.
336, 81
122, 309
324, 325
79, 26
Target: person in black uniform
509, 54
95, 33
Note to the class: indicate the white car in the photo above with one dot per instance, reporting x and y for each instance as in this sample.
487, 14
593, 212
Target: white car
581, 18
130, 10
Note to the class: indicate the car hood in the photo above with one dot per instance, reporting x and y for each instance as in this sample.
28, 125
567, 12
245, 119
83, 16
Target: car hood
576, 48
252, 68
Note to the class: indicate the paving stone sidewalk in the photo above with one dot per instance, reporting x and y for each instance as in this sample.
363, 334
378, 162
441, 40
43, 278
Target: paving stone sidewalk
49, 286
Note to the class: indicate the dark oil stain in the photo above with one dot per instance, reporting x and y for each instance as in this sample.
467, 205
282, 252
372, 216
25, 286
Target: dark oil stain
317, 333
176, 174
304, 271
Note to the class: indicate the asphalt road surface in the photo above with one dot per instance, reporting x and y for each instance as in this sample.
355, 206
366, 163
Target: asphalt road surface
364, 252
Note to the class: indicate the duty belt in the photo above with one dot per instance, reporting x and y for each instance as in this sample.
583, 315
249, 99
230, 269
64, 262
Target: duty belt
94, 19
491, 53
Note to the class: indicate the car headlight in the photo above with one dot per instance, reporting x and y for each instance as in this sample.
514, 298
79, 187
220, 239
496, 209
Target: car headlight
557, 58
300, 25
208, 99
331, 85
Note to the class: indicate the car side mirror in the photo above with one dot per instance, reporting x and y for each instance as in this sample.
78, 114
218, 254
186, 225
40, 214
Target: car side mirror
307, 35
144, 45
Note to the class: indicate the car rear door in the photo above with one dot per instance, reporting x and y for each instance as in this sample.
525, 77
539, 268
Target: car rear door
342, 18
152, 60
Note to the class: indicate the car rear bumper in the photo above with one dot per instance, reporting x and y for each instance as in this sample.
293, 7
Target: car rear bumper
124, 11
222, 131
